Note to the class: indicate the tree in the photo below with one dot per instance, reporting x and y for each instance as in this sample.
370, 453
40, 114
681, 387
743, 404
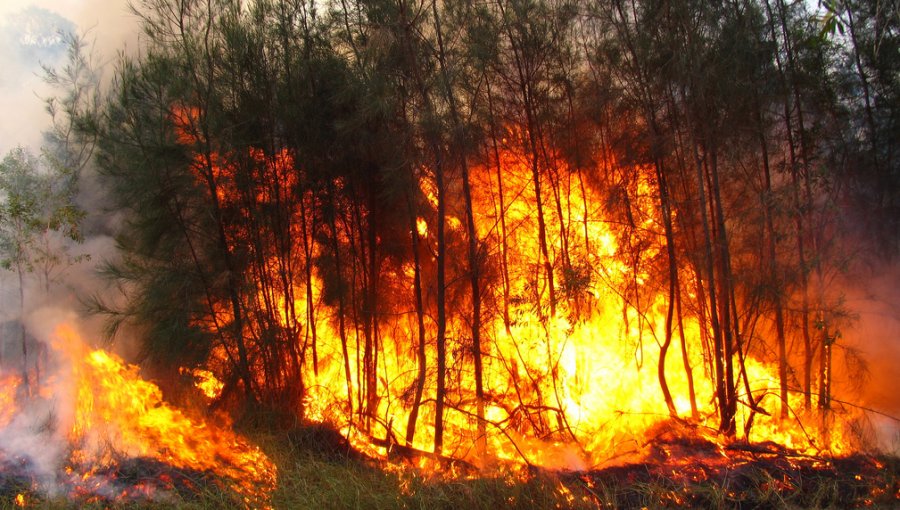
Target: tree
38, 217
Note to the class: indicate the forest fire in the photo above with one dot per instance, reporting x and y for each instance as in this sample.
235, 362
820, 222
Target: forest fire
119, 441
576, 375
576, 390
611, 241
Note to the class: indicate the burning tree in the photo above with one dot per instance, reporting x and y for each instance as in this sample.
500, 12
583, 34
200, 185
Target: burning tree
524, 230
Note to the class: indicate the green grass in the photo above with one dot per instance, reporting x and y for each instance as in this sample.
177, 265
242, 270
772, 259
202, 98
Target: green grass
310, 480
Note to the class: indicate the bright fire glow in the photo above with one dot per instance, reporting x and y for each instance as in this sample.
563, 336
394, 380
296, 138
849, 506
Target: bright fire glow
575, 390
573, 384
206, 382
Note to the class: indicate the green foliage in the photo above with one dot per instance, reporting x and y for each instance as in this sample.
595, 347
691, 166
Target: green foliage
37, 202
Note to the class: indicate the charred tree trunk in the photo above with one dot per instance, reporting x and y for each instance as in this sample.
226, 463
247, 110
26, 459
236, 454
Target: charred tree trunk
342, 328
308, 263
728, 425
421, 358
504, 246
718, 338
673, 284
370, 311
441, 307
472, 235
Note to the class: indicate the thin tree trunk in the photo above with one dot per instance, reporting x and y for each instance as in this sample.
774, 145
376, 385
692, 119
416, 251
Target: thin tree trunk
775, 289
728, 425
441, 307
472, 235
22, 336
825, 368
370, 356
342, 330
420, 323
504, 247
718, 342
673, 283
308, 263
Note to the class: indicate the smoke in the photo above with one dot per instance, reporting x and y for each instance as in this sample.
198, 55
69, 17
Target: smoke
30, 37
872, 295
36, 436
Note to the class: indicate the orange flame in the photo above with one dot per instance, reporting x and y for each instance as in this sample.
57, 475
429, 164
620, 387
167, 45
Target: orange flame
119, 413
205, 381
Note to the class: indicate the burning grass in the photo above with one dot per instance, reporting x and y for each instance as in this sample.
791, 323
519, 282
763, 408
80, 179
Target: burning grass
96, 432
129, 482
127, 448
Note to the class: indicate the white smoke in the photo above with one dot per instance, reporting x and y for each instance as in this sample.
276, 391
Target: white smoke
36, 437
873, 296
29, 38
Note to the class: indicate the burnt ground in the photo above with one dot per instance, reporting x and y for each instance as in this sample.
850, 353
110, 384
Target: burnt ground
137, 479
740, 475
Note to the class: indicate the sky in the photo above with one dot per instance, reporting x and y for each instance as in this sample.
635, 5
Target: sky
107, 24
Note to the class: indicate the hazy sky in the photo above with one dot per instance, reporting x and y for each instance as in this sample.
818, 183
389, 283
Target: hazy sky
107, 23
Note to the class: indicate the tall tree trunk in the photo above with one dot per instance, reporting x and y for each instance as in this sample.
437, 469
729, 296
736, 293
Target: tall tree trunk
472, 237
421, 358
682, 165
415, 71
775, 289
728, 425
342, 328
718, 341
504, 246
441, 307
673, 283
801, 211
370, 356
308, 263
